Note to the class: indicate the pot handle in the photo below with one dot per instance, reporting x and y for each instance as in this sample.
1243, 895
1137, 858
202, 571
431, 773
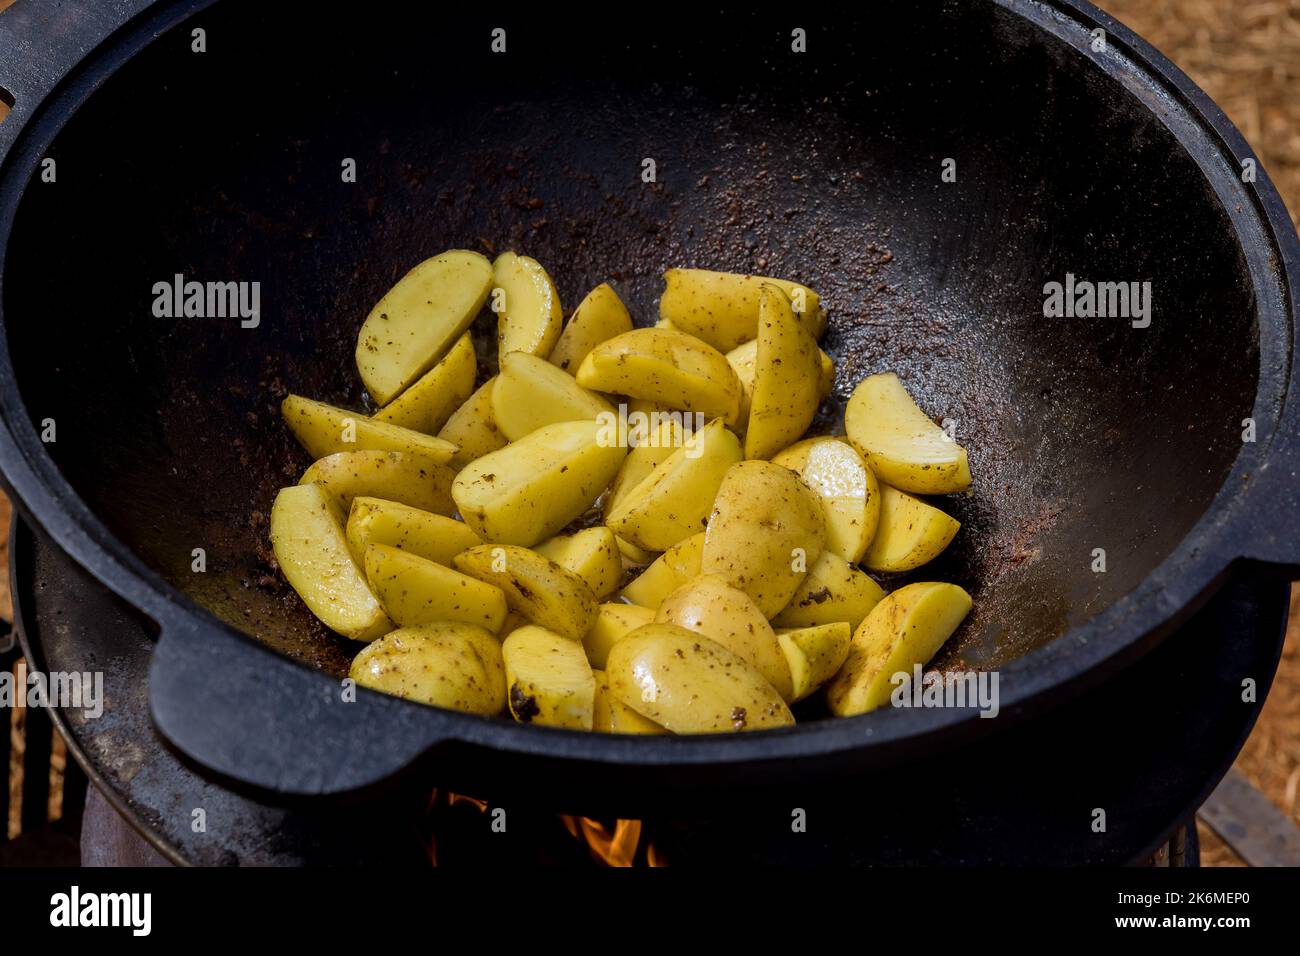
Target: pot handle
1266, 526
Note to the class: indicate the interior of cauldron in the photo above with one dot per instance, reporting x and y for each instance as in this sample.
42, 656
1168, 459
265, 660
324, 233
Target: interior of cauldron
822, 166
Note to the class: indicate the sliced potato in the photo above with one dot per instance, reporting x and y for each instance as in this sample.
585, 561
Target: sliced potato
667, 367
710, 606
743, 359
600, 316
765, 532
530, 316
634, 557
513, 622
610, 715
909, 534
673, 502
429, 402
325, 430
536, 587
549, 679
531, 489
903, 446
908, 627
409, 479
472, 427
848, 490
415, 590
668, 572
592, 554
787, 378
376, 521
690, 684
834, 590
665, 436
814, 654
419, 319
531, 392
458, 666
613, 623
312, 551
722, 307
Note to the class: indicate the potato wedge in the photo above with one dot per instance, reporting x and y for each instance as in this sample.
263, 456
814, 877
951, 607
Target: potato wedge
908, 627
611, 716
722, 307
849, 492
674, 501
910, 533
662, 436
427, 404
668, 572
834, 590
531, 392
376, 521
814, 654
634, 557
710, 606
415, 590
592, 554
690, 684
598, 317
457, 666
903, 446
325, 430
536, 587
743, 359
312, 551
530, 316
613, 623
787, 378
670, 368
765, 532
408, 479
529, 490
419, 319
472, 428
549, 679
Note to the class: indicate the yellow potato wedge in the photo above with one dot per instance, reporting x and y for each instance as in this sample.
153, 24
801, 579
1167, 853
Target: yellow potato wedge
670, 368
376, 521
598, 317
611, 716
722, 307
834, 590
531, 489
457, 666
325, 430
668, 572
908, 627
690, 684
536, 587
419, 319
415, 590
613, 623
765, 532
429, 402
530, 316
814, 654
531, 392
743, 359
787, 378
849, 492
472, 429
674, 501
634, 557
312, 551
910, 533
408, 479
662, 436
549, 680
710, 606
903, 446
592, 554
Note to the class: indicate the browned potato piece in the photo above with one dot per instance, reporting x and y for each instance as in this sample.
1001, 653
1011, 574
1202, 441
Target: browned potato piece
457, 666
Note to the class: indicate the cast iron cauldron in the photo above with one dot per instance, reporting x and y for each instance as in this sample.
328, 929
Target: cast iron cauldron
224, 165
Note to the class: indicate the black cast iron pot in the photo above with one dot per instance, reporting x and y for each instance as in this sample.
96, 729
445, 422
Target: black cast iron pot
1086, 435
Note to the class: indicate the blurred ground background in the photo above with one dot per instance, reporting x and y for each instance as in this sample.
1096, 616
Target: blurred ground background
1246, 55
